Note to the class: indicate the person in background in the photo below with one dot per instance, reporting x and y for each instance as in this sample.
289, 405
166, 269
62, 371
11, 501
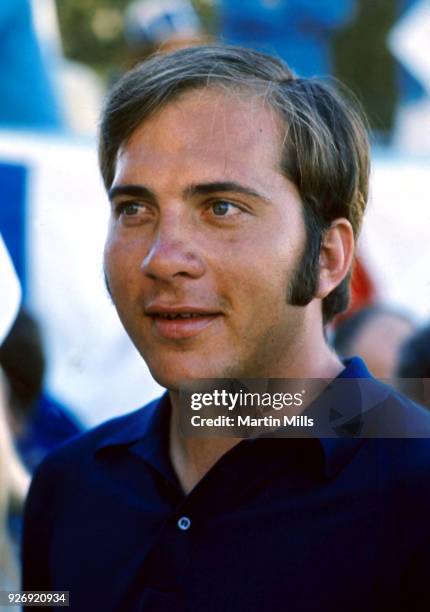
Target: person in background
376, 334
39, 423
14, 480
14, 483
298, 31
160, 25
413, 369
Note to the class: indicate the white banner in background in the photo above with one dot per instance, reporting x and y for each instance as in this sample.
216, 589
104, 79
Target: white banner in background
395, 240
409, 41
10, 292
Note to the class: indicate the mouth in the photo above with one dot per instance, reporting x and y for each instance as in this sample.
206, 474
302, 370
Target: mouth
180, 323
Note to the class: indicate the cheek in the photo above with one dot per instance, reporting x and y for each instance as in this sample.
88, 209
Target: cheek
261, 259
110, 261
121, 264
252, 279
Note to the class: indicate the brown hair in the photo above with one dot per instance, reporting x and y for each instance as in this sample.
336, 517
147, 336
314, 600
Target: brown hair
325, 149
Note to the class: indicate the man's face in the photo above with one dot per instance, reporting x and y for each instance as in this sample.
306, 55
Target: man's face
204, 237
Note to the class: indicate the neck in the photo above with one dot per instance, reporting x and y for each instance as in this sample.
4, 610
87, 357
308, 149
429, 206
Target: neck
192, 458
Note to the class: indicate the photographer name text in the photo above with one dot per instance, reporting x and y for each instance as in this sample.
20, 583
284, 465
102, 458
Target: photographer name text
248, 421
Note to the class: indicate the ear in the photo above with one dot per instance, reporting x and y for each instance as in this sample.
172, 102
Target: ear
336, 255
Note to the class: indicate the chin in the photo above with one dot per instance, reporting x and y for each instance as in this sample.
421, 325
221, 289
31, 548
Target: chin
173, 377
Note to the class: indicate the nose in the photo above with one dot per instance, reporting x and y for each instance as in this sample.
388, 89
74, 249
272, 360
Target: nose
172, 255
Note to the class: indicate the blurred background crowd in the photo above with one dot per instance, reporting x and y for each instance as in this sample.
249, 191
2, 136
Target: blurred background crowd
65, 362
72, 49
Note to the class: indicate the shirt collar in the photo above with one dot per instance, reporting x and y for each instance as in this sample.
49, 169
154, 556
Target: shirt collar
148, 423
145, 433
354, 368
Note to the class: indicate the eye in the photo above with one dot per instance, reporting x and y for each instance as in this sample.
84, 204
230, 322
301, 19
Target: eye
132, 212
128, 209
224, 208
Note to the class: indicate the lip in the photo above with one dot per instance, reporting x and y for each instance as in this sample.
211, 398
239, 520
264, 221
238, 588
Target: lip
178, 329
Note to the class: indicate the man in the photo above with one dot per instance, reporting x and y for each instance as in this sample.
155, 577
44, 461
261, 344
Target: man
236, 193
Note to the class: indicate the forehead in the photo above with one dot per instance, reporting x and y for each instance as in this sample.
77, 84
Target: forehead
207, 131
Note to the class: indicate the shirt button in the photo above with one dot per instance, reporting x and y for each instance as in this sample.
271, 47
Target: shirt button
184, 523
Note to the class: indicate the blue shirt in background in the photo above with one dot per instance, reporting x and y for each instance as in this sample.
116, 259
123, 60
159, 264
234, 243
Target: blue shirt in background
49, 425
298, 31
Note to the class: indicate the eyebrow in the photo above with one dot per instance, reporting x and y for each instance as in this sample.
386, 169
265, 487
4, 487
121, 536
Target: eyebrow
219, 187
137, 191
140, 191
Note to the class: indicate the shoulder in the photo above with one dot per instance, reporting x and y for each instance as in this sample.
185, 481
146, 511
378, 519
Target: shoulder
394, 429
68, 476
78, 453
399, 432
397, 416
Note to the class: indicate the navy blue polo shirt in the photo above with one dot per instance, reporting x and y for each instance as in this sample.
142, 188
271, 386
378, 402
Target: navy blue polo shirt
301, 525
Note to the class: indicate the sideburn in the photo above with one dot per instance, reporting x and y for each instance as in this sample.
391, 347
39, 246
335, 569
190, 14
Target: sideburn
304, 283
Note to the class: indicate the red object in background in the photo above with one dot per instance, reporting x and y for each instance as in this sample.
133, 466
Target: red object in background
363, 291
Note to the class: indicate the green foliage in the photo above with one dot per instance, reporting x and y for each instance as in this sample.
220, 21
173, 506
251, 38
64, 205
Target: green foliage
93, 31
364, 63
